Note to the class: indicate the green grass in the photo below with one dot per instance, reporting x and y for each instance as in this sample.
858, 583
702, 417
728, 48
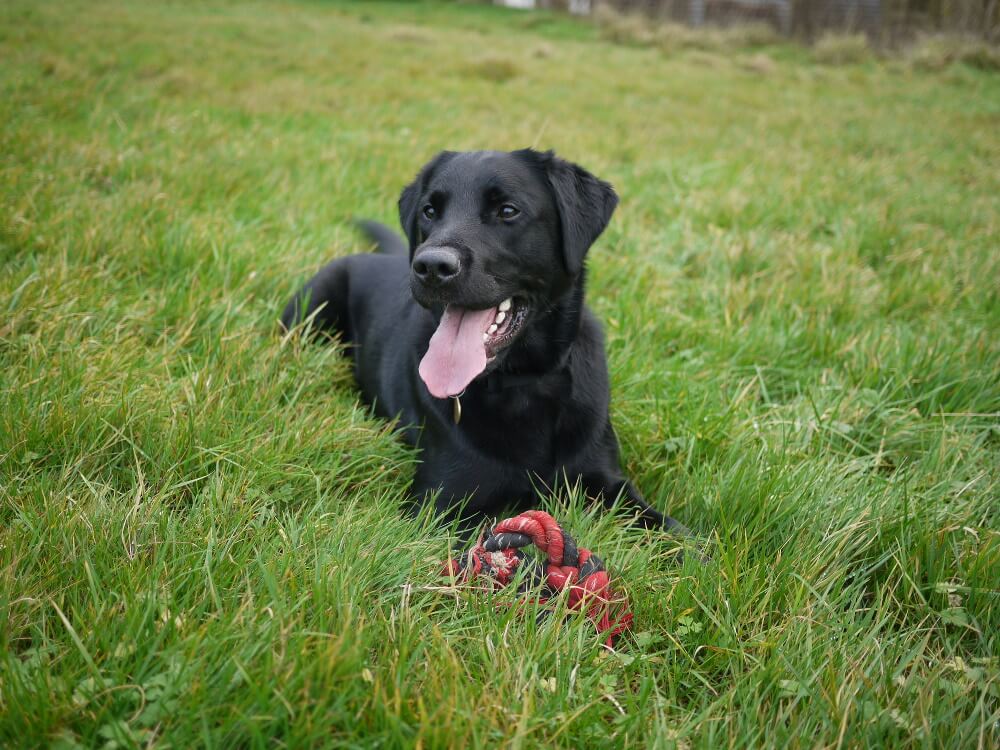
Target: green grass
201, 541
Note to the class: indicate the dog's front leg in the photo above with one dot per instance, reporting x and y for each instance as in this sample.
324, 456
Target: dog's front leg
454, 500
609, 489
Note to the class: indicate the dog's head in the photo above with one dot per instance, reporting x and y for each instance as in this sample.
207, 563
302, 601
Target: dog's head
495, 239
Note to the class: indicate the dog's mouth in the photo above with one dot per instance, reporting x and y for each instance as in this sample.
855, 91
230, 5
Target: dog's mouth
465, 342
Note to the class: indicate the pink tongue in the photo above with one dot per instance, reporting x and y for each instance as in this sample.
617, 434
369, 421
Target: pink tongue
456, 353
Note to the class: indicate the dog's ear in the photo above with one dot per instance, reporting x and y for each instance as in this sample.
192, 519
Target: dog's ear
410, 197
585, 206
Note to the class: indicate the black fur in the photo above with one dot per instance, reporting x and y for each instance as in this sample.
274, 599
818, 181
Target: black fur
538, 415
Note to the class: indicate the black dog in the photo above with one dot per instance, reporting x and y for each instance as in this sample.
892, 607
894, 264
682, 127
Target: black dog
479, 340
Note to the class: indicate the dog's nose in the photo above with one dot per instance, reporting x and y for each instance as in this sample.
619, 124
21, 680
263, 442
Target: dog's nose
437, 265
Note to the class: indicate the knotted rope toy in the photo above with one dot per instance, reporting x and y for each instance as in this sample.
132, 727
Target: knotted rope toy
498, 555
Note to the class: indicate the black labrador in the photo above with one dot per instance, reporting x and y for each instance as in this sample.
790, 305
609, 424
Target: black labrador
476, 335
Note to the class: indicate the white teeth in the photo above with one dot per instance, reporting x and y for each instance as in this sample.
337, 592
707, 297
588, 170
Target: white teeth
504, 306
493, 328
486, 337
500, 317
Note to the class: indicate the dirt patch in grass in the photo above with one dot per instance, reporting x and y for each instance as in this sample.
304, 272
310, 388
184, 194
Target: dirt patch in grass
495, 69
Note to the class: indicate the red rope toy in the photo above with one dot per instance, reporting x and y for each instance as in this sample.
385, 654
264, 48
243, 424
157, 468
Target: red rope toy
498, 555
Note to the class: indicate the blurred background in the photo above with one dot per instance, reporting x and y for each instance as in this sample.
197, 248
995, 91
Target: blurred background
883, 21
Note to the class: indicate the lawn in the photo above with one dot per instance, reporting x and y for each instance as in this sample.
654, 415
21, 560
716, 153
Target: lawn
201, 539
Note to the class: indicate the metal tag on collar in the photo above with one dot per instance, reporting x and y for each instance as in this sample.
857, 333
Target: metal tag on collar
456, 407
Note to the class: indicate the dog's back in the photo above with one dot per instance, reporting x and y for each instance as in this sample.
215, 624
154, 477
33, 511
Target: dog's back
388, 241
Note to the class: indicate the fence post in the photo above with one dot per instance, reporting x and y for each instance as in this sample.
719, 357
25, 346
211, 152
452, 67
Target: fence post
697, 12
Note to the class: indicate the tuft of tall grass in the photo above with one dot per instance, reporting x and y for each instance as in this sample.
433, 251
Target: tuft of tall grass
640, 30
939, 51
841, 49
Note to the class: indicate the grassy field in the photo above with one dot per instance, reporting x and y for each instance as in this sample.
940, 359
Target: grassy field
201, 542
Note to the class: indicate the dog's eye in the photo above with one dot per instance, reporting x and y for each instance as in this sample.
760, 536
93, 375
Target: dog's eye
429, 211
507, 211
